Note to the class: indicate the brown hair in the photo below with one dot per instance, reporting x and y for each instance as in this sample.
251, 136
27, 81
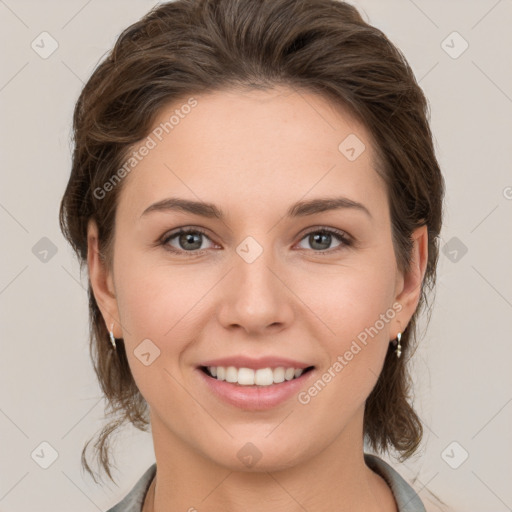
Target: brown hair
190, 47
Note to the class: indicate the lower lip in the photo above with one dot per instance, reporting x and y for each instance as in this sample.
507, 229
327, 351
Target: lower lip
257, 398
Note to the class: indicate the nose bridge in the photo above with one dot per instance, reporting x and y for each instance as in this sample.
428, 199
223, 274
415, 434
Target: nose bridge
253, 273
256, 298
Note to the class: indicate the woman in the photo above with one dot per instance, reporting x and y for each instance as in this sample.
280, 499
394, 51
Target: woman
257, 199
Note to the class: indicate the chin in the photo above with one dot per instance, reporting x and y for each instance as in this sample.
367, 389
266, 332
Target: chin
259, 455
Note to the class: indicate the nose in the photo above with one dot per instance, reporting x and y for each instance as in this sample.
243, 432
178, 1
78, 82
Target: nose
255, 296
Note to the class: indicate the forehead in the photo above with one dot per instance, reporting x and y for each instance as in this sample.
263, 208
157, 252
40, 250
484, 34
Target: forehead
253, 147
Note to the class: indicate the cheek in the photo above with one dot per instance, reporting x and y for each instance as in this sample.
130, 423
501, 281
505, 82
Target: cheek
154, 299
152, 307
365, 299
351, 300
358, 308
165, 305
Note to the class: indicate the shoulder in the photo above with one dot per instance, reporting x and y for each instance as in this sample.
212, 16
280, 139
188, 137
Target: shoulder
133, 501
406, 498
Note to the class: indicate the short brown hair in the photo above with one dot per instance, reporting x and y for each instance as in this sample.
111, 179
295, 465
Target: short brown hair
189, 47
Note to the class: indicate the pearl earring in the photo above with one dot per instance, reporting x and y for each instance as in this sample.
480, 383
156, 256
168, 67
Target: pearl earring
398, 350
112, 339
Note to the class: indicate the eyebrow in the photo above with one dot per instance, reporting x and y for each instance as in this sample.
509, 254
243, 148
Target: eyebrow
299, 209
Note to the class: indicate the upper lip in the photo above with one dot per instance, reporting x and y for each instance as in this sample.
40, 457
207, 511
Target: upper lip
255, 363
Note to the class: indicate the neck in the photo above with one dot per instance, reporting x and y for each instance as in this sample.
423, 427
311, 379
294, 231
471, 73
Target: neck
337, 478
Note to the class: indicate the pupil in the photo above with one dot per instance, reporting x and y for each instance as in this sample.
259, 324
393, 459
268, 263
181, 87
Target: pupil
187, 238
318, 237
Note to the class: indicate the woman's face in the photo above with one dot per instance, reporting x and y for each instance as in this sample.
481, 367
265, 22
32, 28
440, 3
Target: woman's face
260, 287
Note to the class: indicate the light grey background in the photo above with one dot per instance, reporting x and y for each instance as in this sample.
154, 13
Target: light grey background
48, 391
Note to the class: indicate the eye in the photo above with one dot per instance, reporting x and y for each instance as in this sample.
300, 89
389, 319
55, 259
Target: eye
191, 240
188, 240
321, 239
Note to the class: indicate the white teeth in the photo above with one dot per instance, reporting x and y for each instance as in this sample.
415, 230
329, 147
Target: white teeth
264, 377
278, 375
250, 377
231, 374
246, 376
289, 373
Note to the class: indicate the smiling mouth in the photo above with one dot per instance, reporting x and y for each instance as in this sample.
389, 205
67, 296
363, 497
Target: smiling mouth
255, 378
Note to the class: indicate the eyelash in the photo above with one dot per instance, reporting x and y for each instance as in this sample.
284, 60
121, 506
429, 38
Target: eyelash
339, 235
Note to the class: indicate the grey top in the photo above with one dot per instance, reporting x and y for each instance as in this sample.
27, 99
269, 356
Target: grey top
406, 498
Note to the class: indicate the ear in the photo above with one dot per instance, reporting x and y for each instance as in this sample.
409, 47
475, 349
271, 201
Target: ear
101, 280
409, 284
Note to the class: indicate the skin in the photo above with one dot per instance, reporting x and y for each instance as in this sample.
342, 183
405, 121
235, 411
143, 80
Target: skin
253, 154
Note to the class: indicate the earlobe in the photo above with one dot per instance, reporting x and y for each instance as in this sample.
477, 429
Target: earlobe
101, 279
